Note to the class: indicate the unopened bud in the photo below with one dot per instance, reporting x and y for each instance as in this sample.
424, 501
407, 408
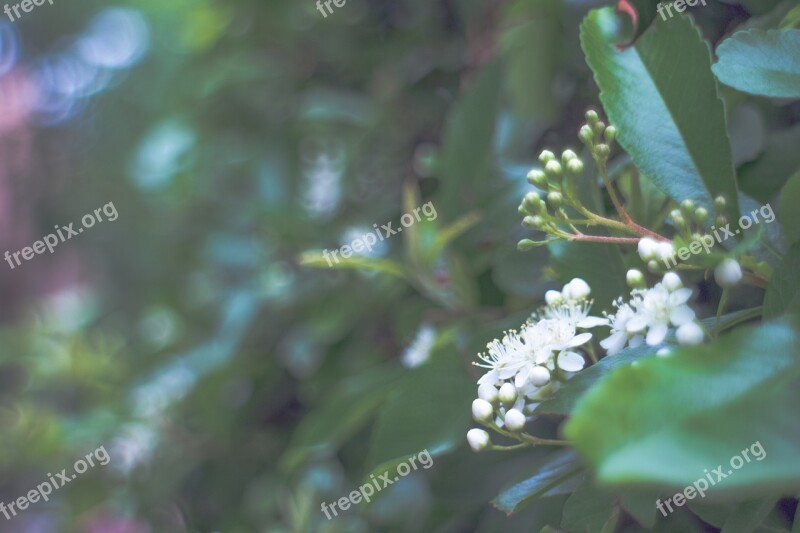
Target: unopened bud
539, 376
664, 250
672, 281
508, 394
567, 156
555, 199
478, 439
592, 117
526, 244
720, 202
647, 248
488, 392
610, 135
515, 420
553, 297
728, 273
602, 151
599, 128
553, 169
687, 208
482, 410
537, 178
690, 334
653, 266
575, 167
546, 156
701, 215
577, 289
586, 136
677, 219
635, 279
534, 222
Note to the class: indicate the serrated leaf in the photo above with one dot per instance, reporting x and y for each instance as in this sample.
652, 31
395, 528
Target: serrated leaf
761, 62
675, 131
726, 395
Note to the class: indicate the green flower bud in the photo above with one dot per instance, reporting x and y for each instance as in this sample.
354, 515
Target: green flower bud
532, 203
534, 222
537, 178
653, 266
586, 135
610, 134
701, 215
575, 167
592, 117
635, 279
687, 207
553, 169
720, 202
555, 199
546, 156
602, 151
678, 221
568, 156
599, 128
523, 210
525, 244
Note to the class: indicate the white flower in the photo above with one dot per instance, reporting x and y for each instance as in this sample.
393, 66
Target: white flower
482, 410
478, 439
419, 350
514, 420
690, 334
649, 314
728, 273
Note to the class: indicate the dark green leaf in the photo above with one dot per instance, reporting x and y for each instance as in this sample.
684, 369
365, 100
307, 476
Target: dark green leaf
587, 509
783, 293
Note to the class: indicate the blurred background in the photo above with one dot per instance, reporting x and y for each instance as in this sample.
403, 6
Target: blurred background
236, 381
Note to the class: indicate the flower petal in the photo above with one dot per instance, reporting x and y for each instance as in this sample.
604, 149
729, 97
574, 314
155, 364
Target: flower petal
657, 334
636, 324
578, 340
522, 377
570, 362
681, 296
614, 343
592, 322
681, 315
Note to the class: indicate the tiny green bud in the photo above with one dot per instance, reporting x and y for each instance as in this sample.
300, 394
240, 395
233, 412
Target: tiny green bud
534, 222
537, 178
555, 199
553, 169
653, 265
546, 156
525, 244
599, 129
586, 136
523, 210
687, 207
532, 203
701, 215
635, 279
575, 167
568, 156
720, 221
720, 202
592, 117
679, 221
610, 134
602, 151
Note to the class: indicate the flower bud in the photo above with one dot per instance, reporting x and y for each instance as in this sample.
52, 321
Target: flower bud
672, 281
567, 156
677, 219
647, 248
478, 439
523, 210
546, 156
602, 151
599, 128
531, 202
610, 135
487, 392
690, 334
592, 117
539, 376
508, 394
482, 410
635, 279
553, 169
653, 266
514, 420
555, 199
663, 352
526, 244
728, 273
687, 208
701, 215
537, 178
575, 167
664, 250
553, 297
534, 222
586, 136
720, 203
577, 289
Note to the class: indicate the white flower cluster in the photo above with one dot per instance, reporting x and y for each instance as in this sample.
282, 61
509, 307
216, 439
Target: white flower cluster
526, 364
647, 316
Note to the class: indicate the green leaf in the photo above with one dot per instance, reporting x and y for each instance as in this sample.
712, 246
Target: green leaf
792, 19
429, 410
749, 515
665, 106
783, 293
587, 509
640, 505
342, 414
761, 62
790, 209
567, 396
764, 177
468, 141
664, 420
550, 476
384, 266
